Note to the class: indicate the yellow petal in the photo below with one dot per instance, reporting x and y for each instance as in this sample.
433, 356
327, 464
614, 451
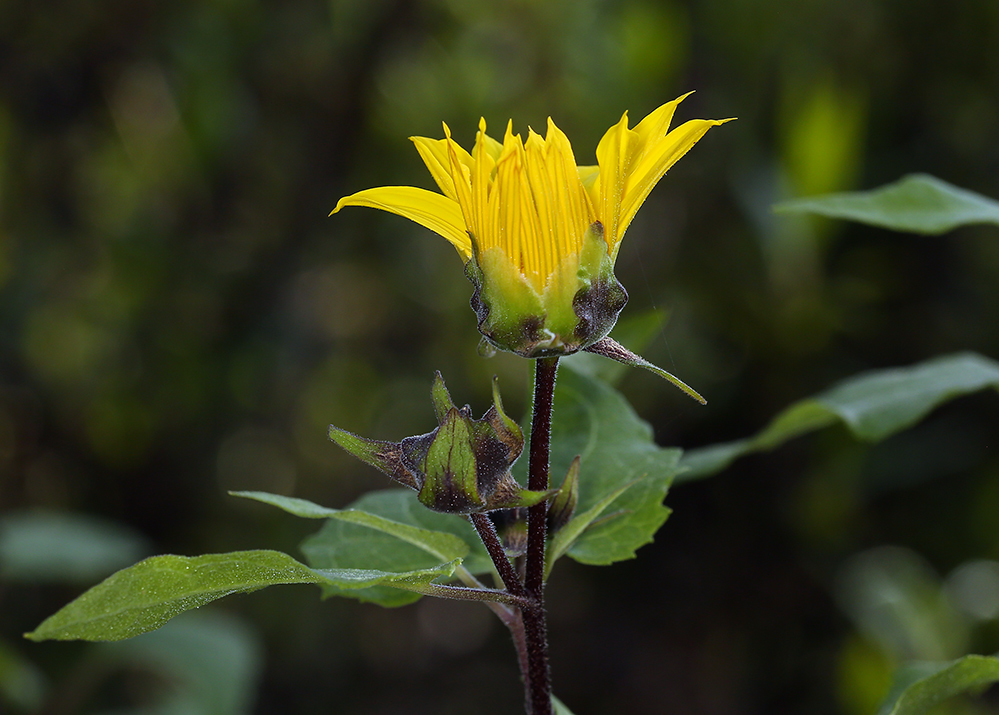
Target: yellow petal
614, 153
563, 208
434, 155
514, 224
438, 213
492, 147
461, 174
654, 127
655, 161
482, 170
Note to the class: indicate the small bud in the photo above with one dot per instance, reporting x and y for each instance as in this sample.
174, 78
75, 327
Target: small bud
511, 526
563, 504
461, 467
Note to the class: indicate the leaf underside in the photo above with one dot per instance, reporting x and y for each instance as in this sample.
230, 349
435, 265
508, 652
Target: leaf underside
873, 406
917, 203
920, 687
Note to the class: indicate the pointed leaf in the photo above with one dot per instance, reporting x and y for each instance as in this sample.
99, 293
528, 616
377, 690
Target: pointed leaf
341, 544
874, 405
917, 203
143, 597
924, 685
567, 535
616, 450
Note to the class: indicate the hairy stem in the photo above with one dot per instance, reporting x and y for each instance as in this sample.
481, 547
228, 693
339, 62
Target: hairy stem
538, 677
490, 539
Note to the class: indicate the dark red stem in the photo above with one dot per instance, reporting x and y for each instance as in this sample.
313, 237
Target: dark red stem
538, 676
490, 539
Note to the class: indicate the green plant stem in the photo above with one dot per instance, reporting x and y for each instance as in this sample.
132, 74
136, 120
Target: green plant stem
538, 677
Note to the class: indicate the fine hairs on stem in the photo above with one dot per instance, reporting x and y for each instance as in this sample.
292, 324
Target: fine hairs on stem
525, 617
529, 631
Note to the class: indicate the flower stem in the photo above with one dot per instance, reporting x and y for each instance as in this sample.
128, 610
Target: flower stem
538, 677
527, 622
490, 539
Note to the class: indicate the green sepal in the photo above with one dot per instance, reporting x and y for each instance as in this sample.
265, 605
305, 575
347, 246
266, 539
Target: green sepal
383, 456
440, 397
511, 526
578, 306
506, 428
609, 348
449, 467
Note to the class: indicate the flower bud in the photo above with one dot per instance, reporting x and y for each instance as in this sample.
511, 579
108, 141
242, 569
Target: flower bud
462, 467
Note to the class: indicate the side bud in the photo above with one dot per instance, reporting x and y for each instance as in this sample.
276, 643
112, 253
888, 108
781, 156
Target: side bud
462, 467
563, 504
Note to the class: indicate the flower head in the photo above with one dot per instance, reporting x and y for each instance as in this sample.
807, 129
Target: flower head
538, 233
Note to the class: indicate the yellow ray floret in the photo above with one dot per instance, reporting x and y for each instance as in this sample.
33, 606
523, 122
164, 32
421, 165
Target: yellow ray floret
529, 199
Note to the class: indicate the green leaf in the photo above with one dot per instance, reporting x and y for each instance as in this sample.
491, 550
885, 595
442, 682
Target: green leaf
917, 203
619, 459
441, 545
922, 686
143, 597
874, 405
343, 544
567, 535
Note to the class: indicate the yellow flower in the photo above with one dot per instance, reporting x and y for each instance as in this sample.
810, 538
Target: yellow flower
538, 234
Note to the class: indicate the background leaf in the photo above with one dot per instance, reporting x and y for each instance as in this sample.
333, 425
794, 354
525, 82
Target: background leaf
917, 203
922, 686
74, 548
212, 661
874, 405
143, 597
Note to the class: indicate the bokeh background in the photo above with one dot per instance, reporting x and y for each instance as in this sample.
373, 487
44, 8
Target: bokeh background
179, 318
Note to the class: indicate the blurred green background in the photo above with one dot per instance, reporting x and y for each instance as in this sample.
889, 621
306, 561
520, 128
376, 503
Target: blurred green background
179, 317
